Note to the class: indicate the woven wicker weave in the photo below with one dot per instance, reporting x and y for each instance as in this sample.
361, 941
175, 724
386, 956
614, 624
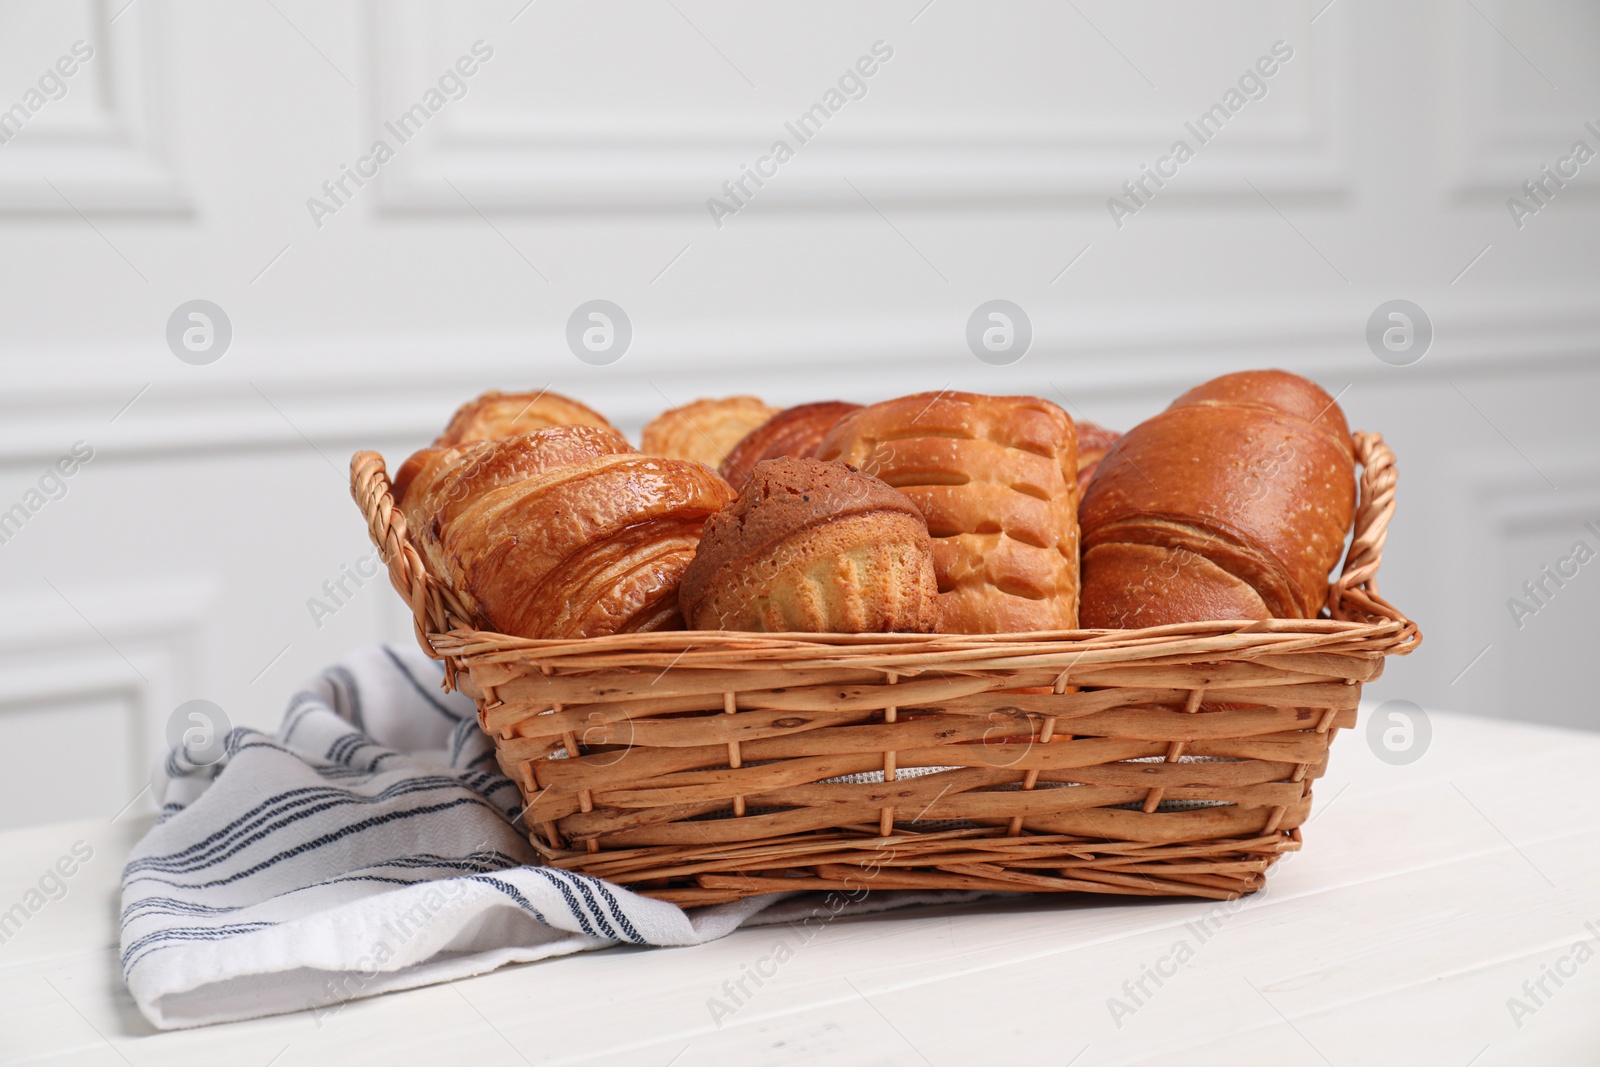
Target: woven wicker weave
701, 766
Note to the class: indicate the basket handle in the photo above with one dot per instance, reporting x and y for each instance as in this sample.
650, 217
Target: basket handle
1353, 596
434, 609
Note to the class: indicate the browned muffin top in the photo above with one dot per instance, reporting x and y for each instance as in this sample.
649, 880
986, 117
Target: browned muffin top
782, 497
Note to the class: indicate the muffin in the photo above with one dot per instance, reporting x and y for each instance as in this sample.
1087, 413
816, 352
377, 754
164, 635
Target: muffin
812, 547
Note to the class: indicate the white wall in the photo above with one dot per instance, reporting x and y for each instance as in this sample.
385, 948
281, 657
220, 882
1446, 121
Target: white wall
577, 166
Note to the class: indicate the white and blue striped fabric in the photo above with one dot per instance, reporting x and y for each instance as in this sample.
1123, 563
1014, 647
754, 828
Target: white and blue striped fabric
369, 846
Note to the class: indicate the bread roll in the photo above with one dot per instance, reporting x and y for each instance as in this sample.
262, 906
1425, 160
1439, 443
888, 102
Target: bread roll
815, 547
496, 414
794, 431
1233, 503
1093, 444
996, 479
563, 533
706, 430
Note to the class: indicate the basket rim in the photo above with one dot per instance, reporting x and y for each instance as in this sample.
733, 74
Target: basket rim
739, 648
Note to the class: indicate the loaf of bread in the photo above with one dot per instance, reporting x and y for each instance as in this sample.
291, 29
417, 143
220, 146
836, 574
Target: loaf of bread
1233, 503
565, 532
996, 479
496, 414
814, 547
793, 431
706, 430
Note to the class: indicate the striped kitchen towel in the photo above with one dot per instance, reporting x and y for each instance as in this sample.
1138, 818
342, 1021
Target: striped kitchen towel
372, 845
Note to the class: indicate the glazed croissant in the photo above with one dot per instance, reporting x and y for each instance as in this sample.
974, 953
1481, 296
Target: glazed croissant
1233, 503
564, 532
996, 478
434, 484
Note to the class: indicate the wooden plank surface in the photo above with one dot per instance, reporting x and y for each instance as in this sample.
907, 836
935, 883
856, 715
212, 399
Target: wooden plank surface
1425, 897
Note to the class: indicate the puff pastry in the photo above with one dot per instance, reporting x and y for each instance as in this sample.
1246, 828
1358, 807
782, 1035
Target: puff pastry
996, 479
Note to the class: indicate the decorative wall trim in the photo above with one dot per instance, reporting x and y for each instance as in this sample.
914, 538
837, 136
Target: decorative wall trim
52, 655
1497, 147
114, 162
340, 394
1491, 500
533, 163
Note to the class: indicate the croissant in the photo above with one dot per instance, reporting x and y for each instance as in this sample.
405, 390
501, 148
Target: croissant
432, 485
496, 414
563, 533
996, 479
815, 547
793, 431
1233, 503
706, 430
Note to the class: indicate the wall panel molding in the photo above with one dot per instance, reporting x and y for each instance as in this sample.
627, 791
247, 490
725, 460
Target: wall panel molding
531, 162
1496, 145
322, 390
1498, 502
130, 657
113, 161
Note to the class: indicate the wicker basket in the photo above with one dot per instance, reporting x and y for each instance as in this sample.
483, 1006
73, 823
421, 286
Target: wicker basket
701, 766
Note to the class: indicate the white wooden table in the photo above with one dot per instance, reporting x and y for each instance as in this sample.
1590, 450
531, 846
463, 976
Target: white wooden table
1426, 897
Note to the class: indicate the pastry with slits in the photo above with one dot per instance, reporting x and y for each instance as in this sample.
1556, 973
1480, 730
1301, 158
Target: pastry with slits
996, 479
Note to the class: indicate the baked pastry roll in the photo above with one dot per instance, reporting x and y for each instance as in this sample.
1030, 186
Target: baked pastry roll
566, 532
812, 547
793, 431
706, 430
433, 485
1093, 444
996, 478
1233, 503
497, 414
